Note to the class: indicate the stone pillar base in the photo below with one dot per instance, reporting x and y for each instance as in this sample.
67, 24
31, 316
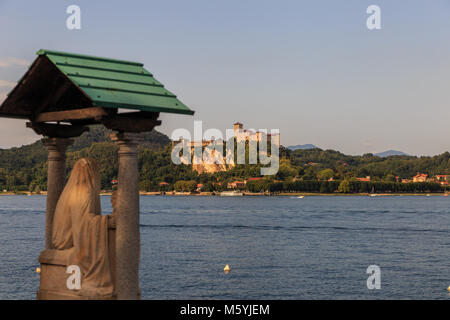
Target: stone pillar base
127, 216
53, 276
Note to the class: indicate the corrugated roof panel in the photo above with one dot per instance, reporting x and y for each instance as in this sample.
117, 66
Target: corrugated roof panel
87, 57
96, 64
108, 74
114, 83
118, 85
121, 99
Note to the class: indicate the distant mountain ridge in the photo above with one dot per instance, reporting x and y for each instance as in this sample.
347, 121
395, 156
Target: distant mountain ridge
384, 154
23, 168
28, 156
389, 153
303, 147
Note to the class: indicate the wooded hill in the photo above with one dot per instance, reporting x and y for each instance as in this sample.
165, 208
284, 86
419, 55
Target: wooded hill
25, 168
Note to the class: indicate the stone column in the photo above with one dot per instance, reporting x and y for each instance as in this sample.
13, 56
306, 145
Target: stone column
56, 175
127, 216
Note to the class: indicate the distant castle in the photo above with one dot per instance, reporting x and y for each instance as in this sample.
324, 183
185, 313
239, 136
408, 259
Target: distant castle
240, 134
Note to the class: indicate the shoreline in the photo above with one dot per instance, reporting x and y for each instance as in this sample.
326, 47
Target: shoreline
249, 194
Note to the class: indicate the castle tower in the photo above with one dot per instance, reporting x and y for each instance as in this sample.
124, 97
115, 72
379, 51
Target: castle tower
237, 128
276, 138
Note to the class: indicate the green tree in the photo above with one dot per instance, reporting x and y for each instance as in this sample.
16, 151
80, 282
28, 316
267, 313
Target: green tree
344, 186
32, 186
185, 186
325, 174
390, 177
37, 190
145, 185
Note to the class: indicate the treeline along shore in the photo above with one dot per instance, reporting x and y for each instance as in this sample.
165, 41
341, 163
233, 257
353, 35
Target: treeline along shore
315, 171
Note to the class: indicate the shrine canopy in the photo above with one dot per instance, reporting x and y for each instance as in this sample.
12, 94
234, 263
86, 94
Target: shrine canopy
80, 90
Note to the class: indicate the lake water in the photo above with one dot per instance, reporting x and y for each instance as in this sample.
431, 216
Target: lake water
277, 247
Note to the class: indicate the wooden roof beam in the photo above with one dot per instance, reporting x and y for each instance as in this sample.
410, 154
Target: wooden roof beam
57, 130
75, 114
132, 121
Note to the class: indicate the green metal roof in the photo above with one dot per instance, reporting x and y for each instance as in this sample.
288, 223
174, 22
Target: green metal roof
112, 83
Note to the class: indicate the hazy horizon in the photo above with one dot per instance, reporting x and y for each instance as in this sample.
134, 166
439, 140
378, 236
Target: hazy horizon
309, 68
286, 146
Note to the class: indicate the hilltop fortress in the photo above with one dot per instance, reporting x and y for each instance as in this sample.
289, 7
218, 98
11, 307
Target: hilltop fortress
211, 163
242, 134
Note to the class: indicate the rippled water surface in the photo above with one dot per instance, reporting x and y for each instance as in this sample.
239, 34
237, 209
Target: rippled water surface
277, 247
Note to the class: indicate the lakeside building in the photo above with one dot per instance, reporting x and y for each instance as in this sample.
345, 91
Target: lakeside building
442, 179
236, 184
366, 179
255, 179
420, 177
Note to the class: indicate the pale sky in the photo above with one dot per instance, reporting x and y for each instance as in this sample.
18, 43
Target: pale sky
309, 68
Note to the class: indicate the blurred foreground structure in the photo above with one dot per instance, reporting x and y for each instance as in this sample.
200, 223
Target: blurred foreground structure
61, 95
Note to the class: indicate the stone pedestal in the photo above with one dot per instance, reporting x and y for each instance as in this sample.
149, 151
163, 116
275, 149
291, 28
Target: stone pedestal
55, 179
127, 217
53, 276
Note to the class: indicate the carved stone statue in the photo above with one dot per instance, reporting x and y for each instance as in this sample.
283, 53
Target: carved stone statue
82, 233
